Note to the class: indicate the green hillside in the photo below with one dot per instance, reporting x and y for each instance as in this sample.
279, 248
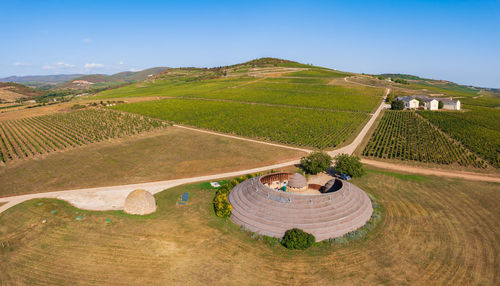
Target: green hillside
269, 99
304, 105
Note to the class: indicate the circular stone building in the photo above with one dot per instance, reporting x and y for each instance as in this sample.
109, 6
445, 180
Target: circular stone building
264, 206
139, 202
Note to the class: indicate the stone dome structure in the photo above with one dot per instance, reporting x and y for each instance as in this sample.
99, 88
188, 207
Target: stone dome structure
267, 211
139, 202
297, 181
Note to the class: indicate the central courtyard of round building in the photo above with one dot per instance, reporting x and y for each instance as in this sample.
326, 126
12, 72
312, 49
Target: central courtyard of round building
274, 203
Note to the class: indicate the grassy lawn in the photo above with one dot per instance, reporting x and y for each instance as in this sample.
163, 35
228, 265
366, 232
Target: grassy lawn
169, 154
433, 231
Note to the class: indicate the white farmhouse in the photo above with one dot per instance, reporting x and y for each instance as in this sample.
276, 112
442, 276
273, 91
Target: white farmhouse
409, 101
450, 104
413, 101
431, 104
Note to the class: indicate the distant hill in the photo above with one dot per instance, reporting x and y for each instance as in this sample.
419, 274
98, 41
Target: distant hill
263, 62
84, 81
10, 91
103, 81
43, 79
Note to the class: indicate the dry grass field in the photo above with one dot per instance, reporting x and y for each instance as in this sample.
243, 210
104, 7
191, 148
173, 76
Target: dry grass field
7, 94
434, 231
162, 155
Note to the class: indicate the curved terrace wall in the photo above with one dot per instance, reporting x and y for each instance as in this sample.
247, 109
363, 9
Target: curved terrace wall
269, 212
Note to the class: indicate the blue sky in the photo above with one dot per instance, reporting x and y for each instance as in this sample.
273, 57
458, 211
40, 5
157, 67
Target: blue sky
452, 40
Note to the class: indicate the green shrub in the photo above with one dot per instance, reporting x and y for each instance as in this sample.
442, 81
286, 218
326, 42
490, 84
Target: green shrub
350, 165
297, 239
440, 104
222, 206
401, 81
397, 105
316, 162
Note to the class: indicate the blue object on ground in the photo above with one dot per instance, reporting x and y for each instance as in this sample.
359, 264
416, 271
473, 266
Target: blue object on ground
79, 217
40, 204
184, 199
343, 176
54, 211
108, 220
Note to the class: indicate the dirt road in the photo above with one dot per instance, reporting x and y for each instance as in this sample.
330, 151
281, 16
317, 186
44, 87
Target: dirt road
431, 171
113, 197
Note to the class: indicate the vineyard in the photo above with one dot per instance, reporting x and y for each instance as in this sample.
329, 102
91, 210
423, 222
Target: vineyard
303, 92
289, 125
29, 137
478, 129
405, 135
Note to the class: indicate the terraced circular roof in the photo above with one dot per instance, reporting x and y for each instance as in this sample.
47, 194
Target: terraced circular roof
263, 210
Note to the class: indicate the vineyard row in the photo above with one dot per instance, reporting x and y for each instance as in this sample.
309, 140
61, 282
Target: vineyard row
28, 137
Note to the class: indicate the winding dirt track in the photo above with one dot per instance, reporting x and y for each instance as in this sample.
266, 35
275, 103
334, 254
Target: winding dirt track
431, 171
112, 198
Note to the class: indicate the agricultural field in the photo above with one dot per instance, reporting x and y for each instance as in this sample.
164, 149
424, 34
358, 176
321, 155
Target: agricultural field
164, 154
478, 129
298, 108
405, 135
32, 136
485, 101
173, 87
288, 125
426, 236
305, 92
319, 73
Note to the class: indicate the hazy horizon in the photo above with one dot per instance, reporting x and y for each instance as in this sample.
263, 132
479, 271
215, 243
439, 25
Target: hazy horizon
456, 41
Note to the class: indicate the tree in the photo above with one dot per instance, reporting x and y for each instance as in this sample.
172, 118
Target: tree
420, 101
400, 80
440, 104
397, 105
350, 165
389, 98
297, 239
316, 162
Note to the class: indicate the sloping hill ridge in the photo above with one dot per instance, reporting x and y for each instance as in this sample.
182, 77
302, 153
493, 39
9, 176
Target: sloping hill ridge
47, 79
10, 91
102, 80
